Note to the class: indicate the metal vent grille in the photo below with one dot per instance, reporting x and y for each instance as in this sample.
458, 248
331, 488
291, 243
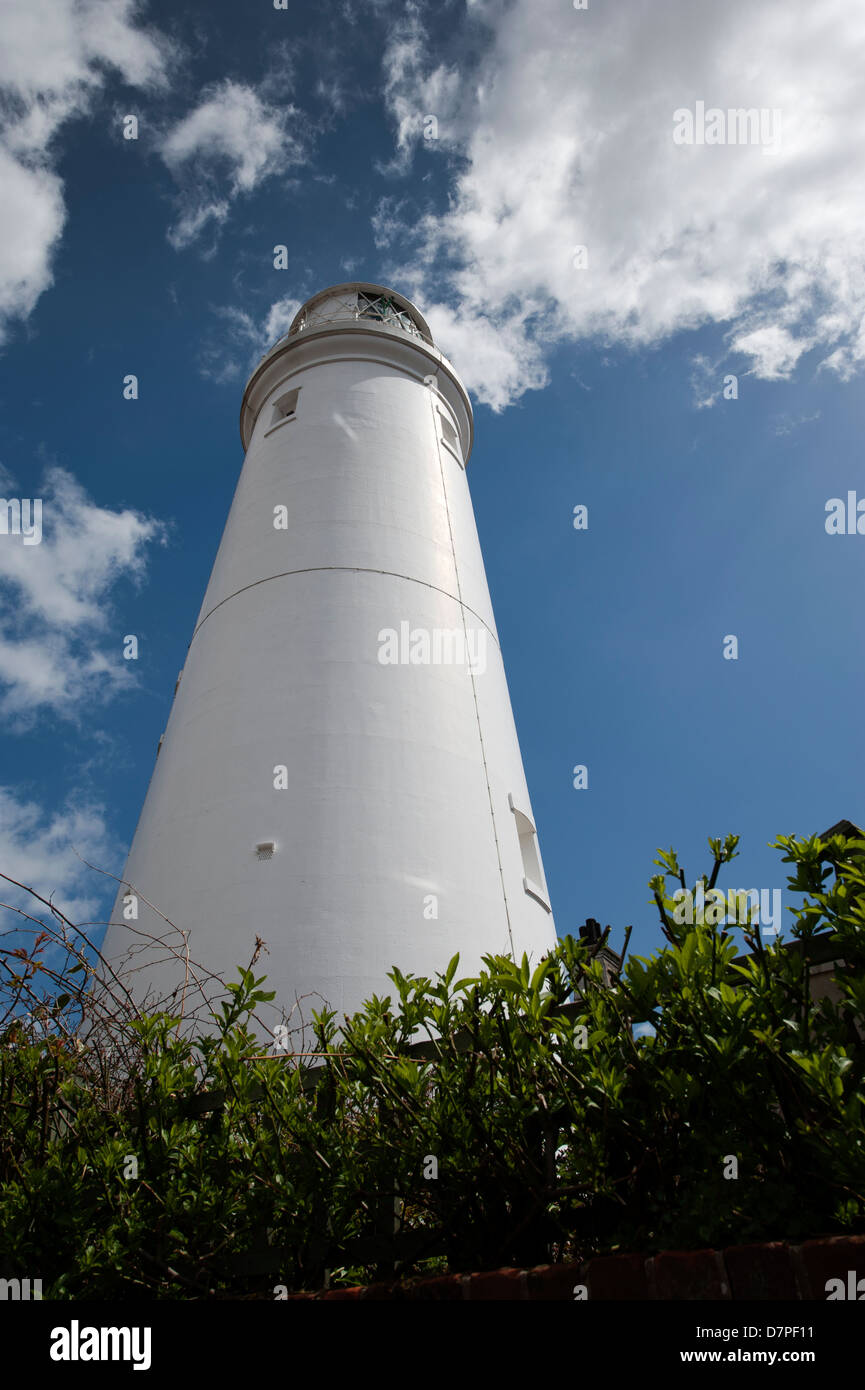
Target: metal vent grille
264, 851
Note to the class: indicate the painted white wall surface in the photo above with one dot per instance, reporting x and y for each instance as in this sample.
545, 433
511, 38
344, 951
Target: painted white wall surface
397, 833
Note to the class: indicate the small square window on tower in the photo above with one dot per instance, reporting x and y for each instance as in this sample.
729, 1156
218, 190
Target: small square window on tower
285, 407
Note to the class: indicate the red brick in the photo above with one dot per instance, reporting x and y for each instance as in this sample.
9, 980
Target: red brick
382, 1293
616, 1277
553, 1283
761, 1271
341, 1294
690, 1274
444, 1286
830, 1258
498, 1284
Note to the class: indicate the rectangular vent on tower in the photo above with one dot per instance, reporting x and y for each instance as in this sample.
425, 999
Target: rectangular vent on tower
449, 436
285, 408
533, 874
265, 851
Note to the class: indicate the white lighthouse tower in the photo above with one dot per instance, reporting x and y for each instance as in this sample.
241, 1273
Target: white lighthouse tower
340, 773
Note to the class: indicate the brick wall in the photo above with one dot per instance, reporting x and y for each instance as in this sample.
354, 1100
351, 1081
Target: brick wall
742, 1272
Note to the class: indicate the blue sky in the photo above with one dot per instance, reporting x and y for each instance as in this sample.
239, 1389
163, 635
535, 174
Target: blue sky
310, 127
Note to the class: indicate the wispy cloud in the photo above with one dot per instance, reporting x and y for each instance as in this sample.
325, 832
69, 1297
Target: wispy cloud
54, 653
229, 144
414, 91
44, 850
788, 424
244, 339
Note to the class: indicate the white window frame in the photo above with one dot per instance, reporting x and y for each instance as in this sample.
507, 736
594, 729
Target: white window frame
285, 417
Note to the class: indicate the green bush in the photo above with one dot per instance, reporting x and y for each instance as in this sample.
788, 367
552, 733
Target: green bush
559, 1128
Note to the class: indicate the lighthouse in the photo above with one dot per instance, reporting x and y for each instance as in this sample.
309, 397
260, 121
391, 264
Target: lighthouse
340, 773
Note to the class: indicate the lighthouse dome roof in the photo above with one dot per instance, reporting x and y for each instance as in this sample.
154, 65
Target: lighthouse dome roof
360, 300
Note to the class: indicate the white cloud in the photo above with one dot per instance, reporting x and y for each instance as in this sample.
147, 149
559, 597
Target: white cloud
32, 215
773, 349
39, 850
236, 133
244, 340
706, 380
51, 52
414, 96
388, 221
566, 122
500, 359
278, 321
54, 60
49, 657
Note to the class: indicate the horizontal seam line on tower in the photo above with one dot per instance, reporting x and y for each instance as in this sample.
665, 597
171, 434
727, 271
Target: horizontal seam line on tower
344, 569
